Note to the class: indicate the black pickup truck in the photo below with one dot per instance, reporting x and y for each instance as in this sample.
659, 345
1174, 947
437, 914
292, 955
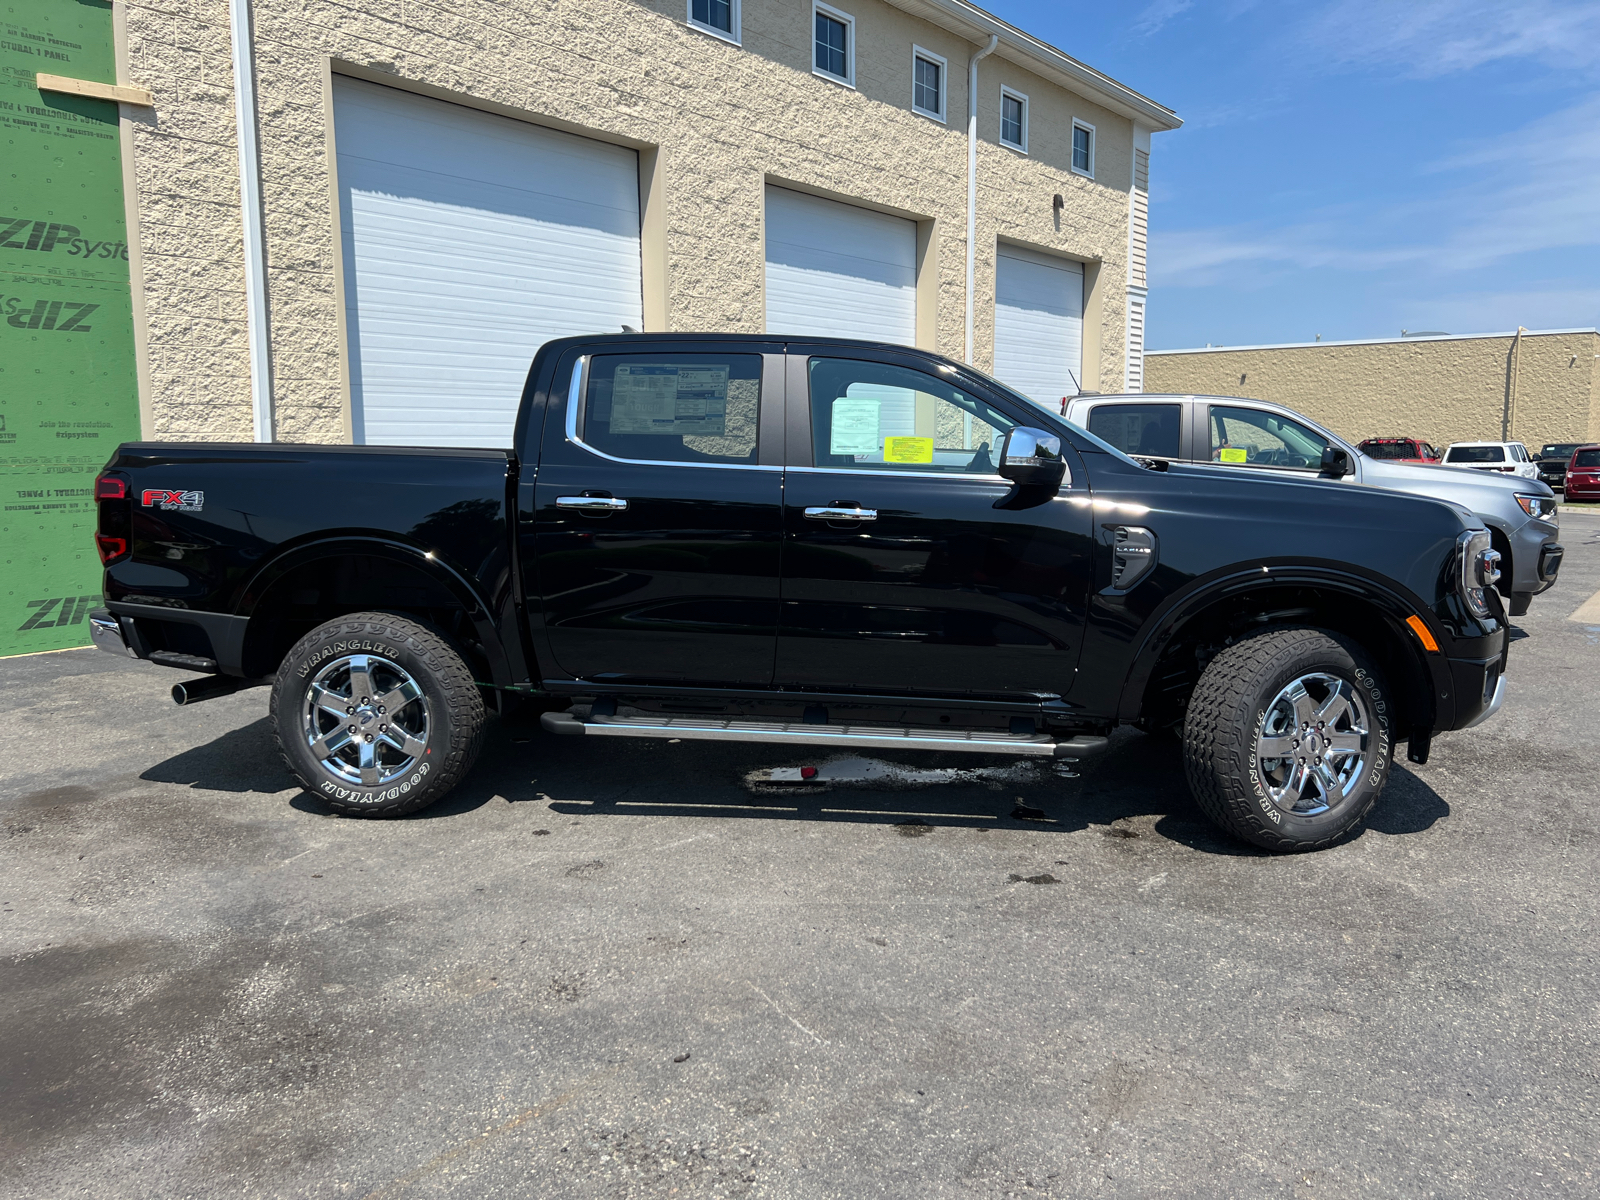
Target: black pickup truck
799, 541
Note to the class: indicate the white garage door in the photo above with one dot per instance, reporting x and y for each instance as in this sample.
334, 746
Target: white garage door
834, 270
469, 241
1038, 325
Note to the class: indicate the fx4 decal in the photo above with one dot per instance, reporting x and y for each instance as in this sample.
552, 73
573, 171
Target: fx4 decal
170, 501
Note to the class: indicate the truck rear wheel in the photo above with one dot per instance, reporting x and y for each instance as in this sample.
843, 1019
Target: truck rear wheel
376, 714
1287, 742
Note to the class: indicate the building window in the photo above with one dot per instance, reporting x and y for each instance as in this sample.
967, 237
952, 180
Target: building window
720, 17
927, 83
834, 42
1083, 148
1013, 119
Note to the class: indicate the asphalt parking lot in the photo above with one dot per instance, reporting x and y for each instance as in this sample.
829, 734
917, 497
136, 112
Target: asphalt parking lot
624, 971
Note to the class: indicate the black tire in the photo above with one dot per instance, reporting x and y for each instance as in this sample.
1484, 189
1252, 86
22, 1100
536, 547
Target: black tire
438, 717
1241, 698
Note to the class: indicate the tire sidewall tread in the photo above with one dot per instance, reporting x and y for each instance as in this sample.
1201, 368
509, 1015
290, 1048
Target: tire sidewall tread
455, 705
1224, 719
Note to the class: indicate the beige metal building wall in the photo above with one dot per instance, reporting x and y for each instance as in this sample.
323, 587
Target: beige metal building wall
714, 123
1542, 387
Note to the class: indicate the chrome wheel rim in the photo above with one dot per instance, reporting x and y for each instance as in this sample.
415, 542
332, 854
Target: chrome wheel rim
365, 719
1312, 748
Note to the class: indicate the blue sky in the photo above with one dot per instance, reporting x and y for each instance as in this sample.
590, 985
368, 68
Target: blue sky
1352, 168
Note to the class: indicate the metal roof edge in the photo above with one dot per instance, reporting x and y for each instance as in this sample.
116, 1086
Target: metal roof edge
1036, 54
1408, 341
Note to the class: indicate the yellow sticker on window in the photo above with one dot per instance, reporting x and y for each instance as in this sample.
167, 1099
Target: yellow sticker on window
907, 450
1233, 454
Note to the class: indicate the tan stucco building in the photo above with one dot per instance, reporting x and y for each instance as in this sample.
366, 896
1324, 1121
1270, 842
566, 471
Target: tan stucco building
445, 185
1535, 387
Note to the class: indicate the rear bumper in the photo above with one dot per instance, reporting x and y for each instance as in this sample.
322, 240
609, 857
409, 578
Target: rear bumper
105, 631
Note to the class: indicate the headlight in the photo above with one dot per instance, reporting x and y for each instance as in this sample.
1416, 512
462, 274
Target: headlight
1480, 570
1543, 507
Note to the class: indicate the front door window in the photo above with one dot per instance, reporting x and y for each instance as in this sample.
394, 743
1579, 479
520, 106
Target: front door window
1250, 437
870, 416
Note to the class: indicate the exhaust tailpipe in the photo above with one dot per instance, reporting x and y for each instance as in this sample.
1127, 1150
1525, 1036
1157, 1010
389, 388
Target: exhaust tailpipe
208, 687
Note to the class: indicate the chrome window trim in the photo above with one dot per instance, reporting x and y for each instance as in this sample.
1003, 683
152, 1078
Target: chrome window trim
580, 375
1066, 480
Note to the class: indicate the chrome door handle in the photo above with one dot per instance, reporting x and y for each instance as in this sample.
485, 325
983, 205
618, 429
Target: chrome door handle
592, 504
828, 513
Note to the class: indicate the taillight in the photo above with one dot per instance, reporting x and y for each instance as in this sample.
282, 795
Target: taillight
112, 529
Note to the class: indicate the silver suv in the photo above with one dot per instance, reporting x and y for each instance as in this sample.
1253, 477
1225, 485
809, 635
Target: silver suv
1258, 435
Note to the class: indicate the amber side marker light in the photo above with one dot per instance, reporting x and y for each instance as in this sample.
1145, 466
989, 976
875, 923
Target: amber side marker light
1420, 628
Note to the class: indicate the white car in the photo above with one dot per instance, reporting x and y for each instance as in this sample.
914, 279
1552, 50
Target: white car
1507, 458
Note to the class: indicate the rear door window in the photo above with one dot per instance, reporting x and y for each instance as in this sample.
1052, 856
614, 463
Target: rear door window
1249, 437
688, 408
1476, 454
1586, 458
1146, 429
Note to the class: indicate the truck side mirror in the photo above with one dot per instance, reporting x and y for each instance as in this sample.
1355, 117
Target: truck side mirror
1032, 458
1335, 462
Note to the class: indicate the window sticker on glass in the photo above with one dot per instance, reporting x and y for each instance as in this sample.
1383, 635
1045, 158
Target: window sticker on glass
908, 450
854, 429
691, 400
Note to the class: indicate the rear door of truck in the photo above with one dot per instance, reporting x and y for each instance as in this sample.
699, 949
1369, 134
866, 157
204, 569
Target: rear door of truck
657, 515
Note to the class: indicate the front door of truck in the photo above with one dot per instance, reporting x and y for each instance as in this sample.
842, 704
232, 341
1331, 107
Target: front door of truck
657, 517
905, 567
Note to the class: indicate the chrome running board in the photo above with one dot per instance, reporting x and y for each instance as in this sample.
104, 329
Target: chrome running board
718, 729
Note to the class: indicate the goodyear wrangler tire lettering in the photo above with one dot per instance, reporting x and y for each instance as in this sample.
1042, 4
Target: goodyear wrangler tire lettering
1287, 740
422, 672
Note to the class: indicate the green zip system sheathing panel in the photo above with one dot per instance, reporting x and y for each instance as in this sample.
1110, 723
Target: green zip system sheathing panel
68, 382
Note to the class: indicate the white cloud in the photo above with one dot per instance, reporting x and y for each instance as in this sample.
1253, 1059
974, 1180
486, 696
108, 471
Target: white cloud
1429, 38
1533, 189
1156, 15
1556, 307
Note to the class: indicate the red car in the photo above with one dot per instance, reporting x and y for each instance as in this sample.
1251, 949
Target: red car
1400, 449
1583, 474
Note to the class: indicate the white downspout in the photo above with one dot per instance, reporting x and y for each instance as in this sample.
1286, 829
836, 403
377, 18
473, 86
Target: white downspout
972, 177
255, 251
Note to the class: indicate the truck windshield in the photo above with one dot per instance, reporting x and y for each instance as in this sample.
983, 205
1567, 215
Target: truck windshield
1475, 454
1559, 450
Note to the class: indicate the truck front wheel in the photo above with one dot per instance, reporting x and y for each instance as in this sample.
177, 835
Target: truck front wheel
1287, 739
376, 714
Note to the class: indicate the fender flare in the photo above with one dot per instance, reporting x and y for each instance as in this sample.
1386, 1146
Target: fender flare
430, 563
1178, 610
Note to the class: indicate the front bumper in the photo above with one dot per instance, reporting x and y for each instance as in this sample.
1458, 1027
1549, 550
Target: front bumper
1477, 684
1535, 556
1494, 704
